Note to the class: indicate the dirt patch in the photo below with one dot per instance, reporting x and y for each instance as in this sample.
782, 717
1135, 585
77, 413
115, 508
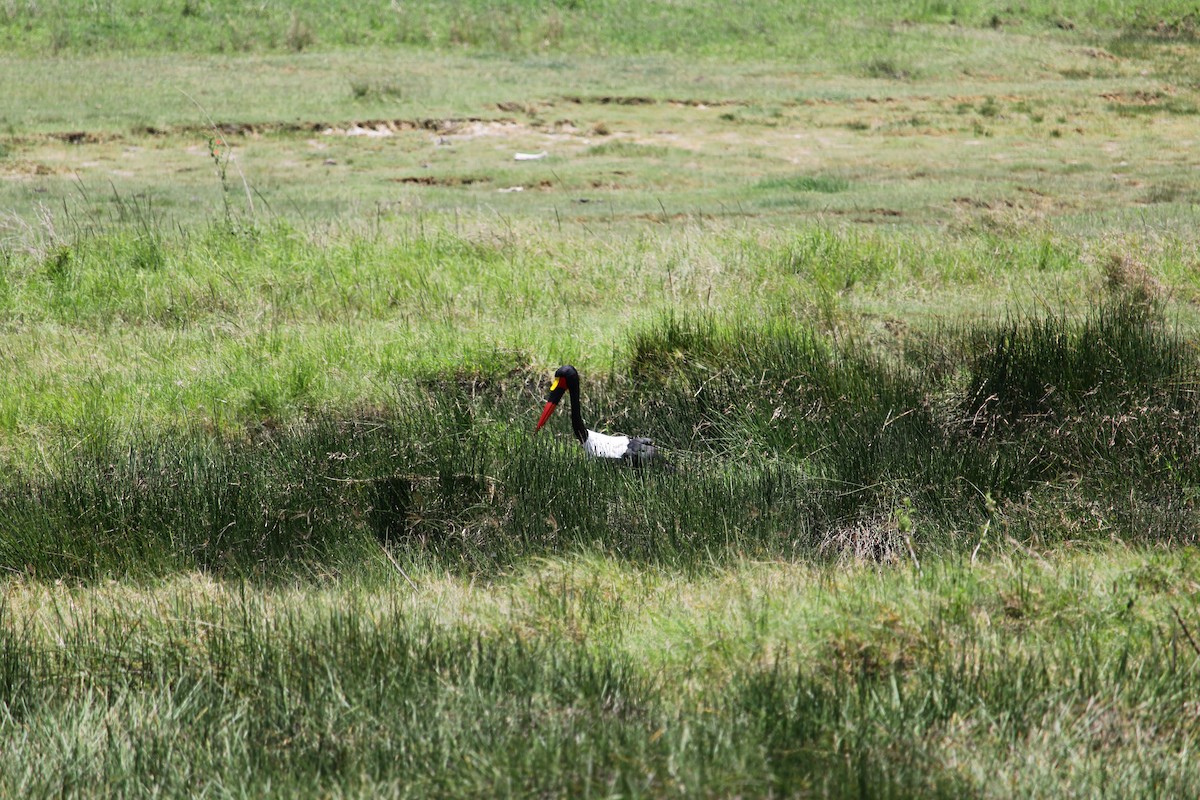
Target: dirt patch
24, 170
443, 125
77, 137
717, 103
620, 100
482, 128
518, 107
607, 100
1138, 98
600, 183
988, 205
1096, 52
441, 180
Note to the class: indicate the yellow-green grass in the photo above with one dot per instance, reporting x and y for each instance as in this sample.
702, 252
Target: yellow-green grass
227, 327
1026, 674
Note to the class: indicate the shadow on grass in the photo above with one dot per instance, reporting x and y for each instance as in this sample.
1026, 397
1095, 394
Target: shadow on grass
790, 445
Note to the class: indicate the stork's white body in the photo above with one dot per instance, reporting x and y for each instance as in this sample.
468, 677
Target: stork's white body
602, 445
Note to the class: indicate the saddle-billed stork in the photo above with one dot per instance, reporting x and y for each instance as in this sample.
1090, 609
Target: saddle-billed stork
634, 450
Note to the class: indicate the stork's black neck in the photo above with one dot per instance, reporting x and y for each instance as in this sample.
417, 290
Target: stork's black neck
577, 424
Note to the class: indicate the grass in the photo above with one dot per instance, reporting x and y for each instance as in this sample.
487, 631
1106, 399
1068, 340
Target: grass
700, 27
826, 184
232, 326
599, 678
905, 147
906, 294
830, 446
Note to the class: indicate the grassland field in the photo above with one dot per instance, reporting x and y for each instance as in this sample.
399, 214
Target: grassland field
907, 293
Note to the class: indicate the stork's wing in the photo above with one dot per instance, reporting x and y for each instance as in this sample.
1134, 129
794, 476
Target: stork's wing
634, 450
641, 451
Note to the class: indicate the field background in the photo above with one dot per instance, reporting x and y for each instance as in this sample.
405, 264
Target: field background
906, 291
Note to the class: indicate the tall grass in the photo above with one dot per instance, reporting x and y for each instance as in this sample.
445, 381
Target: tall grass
233, 324
788, 442
596, 679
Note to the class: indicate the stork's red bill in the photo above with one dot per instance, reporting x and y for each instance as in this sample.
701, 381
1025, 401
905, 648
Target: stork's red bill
557, 387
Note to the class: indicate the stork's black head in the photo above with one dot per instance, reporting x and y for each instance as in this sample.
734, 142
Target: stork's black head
567, 374
566, 378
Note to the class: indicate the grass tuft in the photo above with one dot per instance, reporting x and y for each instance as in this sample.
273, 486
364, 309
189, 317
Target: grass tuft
825, 184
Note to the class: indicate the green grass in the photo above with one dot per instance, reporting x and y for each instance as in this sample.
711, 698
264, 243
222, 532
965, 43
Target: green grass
789, 443
597, 678
232, 325
826, 184
906, 294
629, 136
700, 27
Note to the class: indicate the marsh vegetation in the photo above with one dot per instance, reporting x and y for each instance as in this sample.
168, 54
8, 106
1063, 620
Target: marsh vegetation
906, 294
